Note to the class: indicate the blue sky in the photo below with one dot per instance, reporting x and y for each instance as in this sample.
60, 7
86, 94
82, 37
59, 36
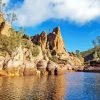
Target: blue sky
75, 37
79, 25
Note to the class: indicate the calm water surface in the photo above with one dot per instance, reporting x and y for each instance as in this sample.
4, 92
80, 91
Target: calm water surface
71, 86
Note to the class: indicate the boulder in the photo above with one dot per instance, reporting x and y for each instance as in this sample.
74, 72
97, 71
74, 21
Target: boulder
60, 69
42, 64
51, 66
29, 68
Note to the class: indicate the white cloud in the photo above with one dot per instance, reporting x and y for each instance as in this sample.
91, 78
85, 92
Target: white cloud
34, 12
5, 1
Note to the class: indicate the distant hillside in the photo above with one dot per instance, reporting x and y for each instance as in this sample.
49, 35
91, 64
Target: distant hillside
89, 54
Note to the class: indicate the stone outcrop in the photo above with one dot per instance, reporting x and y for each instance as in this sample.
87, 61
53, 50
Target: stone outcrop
51, 66
5, 29
43, 39
42, 64
40, 40
4, 26
53, 59
1, 18
93, 67
55, 41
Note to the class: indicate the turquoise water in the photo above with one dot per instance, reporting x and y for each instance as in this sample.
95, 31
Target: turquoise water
71, 86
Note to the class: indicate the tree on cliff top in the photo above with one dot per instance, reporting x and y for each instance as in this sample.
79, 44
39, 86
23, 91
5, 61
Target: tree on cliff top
96, 42
2, 6
9, 17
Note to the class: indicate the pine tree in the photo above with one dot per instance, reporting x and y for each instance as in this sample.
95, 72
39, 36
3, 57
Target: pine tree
95, 55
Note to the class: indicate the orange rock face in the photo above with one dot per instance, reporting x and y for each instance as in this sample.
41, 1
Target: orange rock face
1, 18
43, 39
40, 39
55, 41
4, 27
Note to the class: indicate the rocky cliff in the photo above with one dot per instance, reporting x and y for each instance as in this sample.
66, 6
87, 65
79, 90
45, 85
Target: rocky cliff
92, 59
4, 26
40, 54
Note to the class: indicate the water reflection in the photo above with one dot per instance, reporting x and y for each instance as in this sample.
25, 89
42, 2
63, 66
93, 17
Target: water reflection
71, 86
29, 88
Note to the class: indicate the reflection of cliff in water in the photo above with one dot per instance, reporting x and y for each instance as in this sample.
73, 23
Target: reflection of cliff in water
29, 88
56, 88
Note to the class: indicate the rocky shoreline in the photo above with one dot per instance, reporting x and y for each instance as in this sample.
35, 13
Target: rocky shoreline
92, 69
42, 68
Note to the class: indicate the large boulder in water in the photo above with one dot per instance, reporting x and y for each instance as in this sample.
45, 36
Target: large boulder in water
51, 66
41, 66
29, 68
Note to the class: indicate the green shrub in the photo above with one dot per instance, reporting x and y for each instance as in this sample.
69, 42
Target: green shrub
29, 45
35, 50
10, 43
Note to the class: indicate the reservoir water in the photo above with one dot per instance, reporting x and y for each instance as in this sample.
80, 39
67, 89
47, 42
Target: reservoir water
70, 86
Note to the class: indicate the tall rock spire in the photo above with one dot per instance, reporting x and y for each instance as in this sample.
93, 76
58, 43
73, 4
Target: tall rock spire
56, 41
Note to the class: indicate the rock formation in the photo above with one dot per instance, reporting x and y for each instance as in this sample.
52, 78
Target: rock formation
55, 41
40, 40
1, 18
51, 59
4, 26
